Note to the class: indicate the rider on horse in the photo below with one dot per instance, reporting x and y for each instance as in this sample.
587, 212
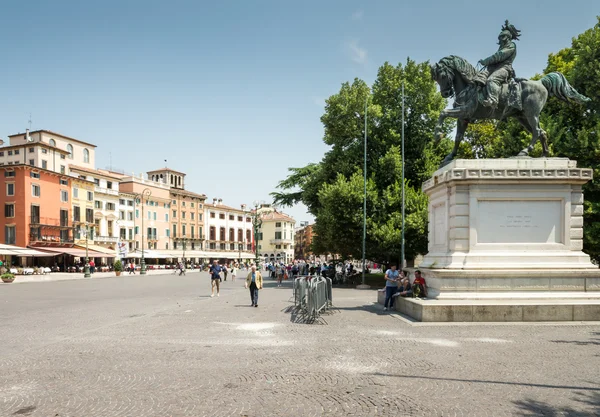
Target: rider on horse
499, 68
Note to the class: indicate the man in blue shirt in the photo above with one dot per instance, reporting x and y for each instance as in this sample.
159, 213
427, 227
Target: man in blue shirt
391, 286
215, 277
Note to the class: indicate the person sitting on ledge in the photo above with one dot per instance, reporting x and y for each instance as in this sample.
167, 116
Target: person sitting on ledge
405, 289
419, 286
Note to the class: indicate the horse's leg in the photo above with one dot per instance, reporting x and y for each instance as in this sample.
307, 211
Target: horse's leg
437, 134
523, 120
544, 142
534, 124
533, 106
461, 127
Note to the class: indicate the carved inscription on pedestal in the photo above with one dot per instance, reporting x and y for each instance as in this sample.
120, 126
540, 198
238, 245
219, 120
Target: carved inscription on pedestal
509, 221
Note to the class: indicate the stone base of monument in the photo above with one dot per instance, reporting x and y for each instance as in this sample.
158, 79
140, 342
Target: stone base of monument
500, 307
505, 243
500, 310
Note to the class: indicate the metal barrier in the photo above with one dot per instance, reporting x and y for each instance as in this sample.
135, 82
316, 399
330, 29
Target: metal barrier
313, 295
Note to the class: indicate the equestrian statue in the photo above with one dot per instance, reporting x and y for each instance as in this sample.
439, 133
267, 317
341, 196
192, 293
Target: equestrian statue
495, 93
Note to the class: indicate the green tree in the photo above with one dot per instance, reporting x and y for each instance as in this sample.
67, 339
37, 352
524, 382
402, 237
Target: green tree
333, 189
573, 130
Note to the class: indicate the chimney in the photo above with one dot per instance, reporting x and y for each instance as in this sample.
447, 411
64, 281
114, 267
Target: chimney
243, 207
214, 201
220, 201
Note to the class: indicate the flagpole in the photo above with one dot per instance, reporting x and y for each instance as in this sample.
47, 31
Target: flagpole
402, 260
364, 242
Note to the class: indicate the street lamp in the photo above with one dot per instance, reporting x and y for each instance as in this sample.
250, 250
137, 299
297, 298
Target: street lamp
184, 241
240, 253
146, 193
86, 268
256, 222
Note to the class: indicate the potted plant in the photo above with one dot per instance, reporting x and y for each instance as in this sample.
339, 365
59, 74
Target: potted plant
118, 267
7, 277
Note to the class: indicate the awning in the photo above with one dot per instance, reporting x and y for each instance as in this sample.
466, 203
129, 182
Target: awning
178, 254
149, 254
32, 253
19, 251
107, 253
80, 253
7, 249
229, 255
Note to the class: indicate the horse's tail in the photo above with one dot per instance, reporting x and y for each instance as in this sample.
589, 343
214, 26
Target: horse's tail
558, 86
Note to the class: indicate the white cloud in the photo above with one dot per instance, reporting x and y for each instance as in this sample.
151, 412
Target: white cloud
358, 15
357, 53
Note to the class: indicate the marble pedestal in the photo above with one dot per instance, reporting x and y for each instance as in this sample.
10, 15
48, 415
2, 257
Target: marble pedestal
504, 228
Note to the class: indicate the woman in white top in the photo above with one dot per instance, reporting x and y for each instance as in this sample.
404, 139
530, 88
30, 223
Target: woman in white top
233, 271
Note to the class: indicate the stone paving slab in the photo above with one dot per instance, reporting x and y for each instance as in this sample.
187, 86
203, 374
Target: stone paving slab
159, 345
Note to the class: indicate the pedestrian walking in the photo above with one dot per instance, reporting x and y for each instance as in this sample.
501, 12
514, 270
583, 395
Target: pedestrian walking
233, 272
215, 278
255, 283
225, 272
280, 273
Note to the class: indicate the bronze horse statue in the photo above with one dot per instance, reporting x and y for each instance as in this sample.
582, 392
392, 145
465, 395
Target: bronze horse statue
520, 98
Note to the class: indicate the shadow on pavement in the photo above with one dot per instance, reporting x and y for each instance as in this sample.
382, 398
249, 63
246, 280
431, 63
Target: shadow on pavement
531, 407
484, 381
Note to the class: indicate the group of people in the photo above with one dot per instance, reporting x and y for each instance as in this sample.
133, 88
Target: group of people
397, 284
253, 282
281, 271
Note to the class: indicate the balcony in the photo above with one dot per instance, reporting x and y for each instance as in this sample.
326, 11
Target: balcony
281, 241
106, 239
48, 221
188, 238
35, 238
215, 245
103, 190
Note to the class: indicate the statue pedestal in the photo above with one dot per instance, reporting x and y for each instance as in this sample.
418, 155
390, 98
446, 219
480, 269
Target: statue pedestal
508, 230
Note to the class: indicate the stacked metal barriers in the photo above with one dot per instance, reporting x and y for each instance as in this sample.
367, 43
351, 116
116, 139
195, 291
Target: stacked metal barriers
313, 295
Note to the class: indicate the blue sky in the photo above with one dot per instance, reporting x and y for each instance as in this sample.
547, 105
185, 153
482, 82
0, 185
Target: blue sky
231, 92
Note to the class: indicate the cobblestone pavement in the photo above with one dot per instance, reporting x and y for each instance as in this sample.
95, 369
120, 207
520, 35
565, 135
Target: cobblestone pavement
160, 346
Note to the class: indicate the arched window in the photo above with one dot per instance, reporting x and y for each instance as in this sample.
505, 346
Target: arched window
231, 235
52, 142
171, 179
70, 150
86, 156
222, 233
180, 181
213, 233
240, 235
248, 235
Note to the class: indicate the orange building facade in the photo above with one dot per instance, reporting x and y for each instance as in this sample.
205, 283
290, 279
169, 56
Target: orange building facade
304, 237
37, 207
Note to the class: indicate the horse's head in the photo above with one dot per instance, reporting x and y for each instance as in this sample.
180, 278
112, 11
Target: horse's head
441, 74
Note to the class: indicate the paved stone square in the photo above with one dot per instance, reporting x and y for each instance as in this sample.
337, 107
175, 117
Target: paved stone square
160, 346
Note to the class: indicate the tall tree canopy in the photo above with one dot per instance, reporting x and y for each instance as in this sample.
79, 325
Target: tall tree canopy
333, 189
